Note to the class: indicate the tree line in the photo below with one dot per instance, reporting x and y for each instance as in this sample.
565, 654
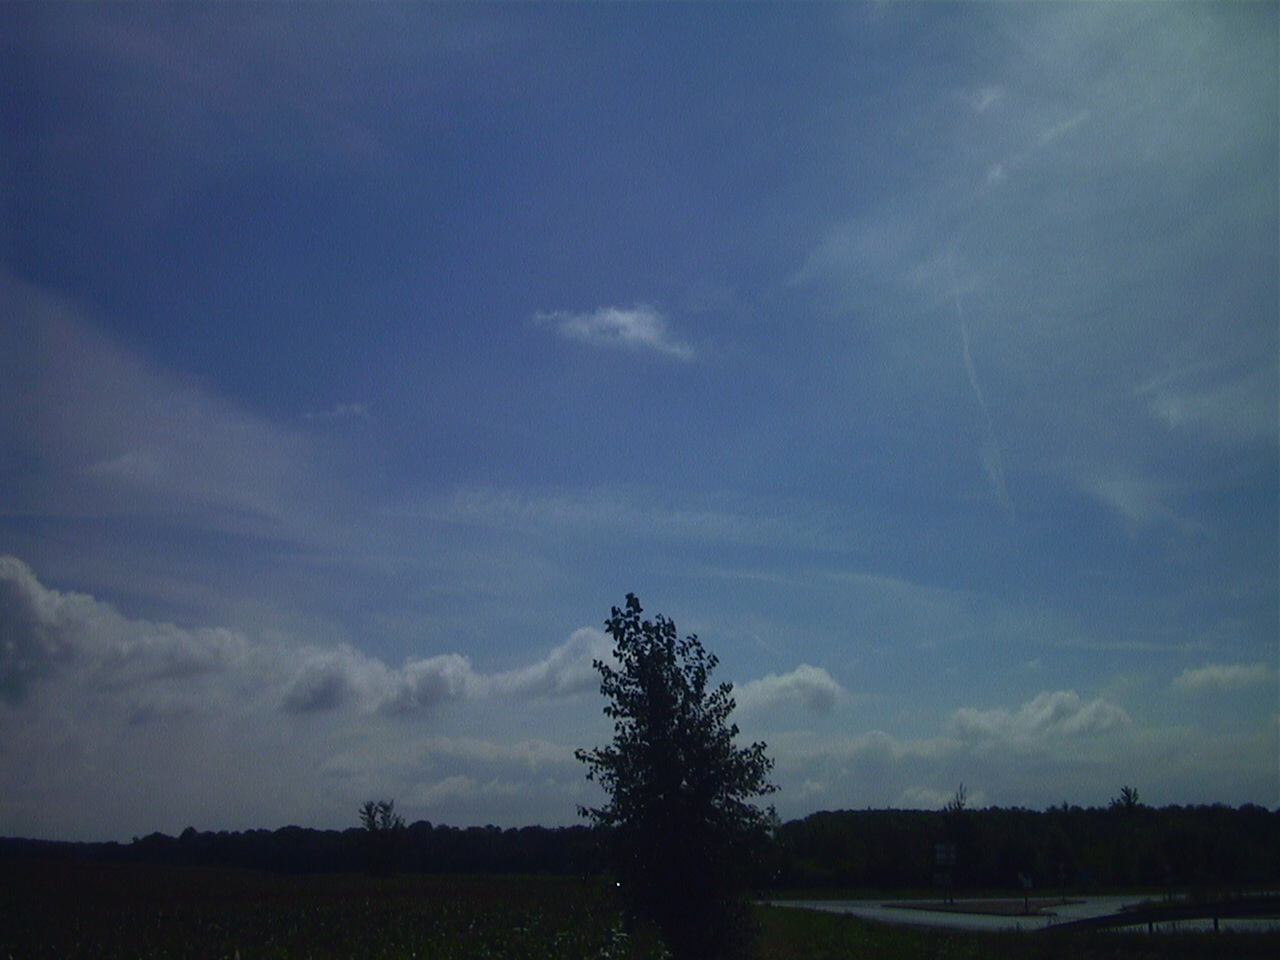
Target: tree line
1083, 848
420, 847
1063, 847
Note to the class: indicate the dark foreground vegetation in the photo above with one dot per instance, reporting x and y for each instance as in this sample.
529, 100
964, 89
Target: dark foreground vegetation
78, 910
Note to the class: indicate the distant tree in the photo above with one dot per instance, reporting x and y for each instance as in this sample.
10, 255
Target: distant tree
954, 854
383, 828
681, 832
1127, 801
379, 816
959, 801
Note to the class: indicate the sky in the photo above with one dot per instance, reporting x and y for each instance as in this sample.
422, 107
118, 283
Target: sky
356, 359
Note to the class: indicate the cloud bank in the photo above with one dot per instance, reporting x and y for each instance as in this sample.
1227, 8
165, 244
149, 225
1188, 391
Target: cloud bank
151, 720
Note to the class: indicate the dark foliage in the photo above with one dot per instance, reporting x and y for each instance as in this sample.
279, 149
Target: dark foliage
1072, 848
94, 911
421, 848
681, 832
383, 832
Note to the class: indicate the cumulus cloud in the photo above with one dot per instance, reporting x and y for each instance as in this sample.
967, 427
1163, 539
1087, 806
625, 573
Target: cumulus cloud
345, 678
70, 639
634, 328
31, 645
1049, 715
129, 721
1220, 676
566, 670
329, 680
48, 632
806, 686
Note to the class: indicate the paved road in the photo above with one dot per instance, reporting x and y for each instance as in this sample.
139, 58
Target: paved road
882, 911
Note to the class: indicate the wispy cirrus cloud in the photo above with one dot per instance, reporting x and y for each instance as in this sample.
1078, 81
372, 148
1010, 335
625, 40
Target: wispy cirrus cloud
633, 328
115, 434
631, 512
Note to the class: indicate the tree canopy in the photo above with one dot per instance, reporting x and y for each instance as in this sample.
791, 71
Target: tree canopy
682, 831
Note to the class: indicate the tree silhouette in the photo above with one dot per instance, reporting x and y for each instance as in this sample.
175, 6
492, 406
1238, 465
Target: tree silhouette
383, 828
1127, 801
681, 833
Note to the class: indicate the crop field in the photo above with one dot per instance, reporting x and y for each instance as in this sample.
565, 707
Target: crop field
115, 912
71, 911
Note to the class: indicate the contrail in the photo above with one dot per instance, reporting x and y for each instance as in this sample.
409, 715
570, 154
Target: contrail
992, 460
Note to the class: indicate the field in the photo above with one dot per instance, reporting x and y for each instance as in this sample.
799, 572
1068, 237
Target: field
68, 911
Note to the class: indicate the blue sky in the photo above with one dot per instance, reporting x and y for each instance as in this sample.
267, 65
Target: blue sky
357, 358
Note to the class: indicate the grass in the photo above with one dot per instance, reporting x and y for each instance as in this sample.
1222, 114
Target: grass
113, 912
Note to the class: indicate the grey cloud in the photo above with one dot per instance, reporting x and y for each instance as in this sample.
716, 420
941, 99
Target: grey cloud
30, 644
49, 632
345, 678
318, 688
425, 684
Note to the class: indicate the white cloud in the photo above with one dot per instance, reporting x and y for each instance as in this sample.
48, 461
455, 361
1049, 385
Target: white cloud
636, 328
806, 686
47, 632
1049, 715
566, 670
928, 798
339, 412
343, 677
1218, 676
131, 721
112, 725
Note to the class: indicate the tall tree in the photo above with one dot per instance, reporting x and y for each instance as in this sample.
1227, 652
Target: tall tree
682, 832
383, 831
